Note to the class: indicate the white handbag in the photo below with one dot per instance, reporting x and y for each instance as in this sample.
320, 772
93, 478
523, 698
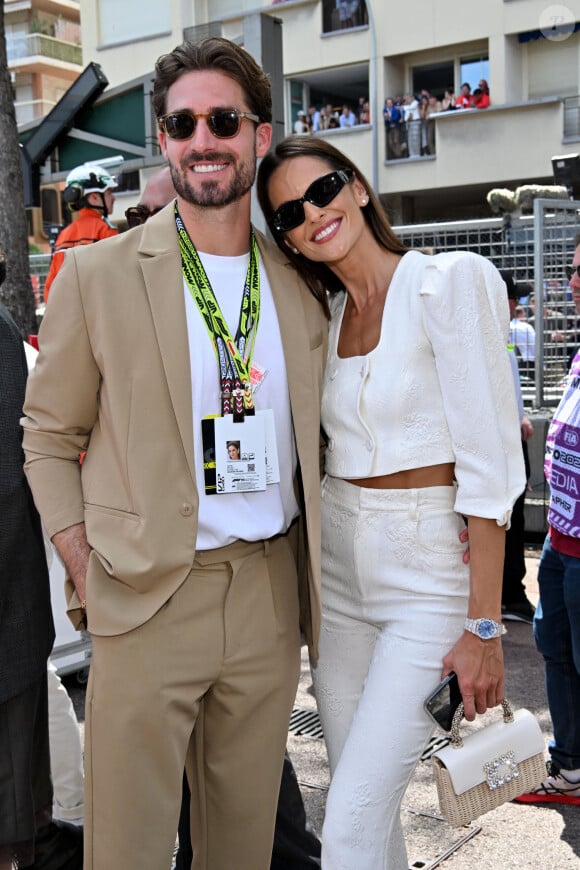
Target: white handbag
491, 766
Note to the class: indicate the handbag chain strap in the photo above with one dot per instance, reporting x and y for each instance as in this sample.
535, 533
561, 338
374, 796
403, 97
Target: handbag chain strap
456, 740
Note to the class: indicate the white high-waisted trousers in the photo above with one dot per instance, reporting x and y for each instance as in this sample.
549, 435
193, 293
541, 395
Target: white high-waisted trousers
394, 597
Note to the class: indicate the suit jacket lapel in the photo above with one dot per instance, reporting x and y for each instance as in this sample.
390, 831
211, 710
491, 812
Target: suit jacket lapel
161, 267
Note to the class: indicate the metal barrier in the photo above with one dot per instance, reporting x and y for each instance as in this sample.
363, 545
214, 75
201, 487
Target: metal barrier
39, 266
536, 248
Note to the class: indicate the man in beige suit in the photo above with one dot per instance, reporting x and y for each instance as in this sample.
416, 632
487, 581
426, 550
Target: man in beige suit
190, 570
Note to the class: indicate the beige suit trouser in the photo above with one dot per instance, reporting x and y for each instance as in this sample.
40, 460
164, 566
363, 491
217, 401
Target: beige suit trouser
209, 683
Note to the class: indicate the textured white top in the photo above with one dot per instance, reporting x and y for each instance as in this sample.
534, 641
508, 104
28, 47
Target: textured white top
437, 388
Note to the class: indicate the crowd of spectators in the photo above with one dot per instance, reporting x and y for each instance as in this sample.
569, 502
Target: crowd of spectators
409, 127
329, 117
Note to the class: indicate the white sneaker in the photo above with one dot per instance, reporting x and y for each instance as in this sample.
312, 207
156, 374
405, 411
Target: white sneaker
556, 789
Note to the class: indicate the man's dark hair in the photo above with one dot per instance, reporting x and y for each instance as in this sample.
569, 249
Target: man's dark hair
219, 55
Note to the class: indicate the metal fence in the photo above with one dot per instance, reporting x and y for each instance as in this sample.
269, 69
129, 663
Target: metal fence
39, 266
537, 249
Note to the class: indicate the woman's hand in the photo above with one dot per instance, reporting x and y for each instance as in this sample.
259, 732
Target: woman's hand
479, 667
464, 538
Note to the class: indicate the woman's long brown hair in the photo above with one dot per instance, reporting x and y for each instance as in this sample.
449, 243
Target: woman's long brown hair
318, 277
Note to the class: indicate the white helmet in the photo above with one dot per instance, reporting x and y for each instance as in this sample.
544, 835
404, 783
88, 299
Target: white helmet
85, 179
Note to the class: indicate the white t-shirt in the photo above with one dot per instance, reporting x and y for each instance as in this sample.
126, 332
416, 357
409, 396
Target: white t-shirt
523, 336
223, 519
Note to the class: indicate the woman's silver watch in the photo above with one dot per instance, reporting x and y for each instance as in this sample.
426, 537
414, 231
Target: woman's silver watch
485, 629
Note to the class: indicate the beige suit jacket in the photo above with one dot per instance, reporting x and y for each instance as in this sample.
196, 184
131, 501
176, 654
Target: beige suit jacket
113, 378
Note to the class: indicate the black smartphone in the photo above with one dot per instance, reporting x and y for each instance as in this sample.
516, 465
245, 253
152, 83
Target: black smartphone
444, 701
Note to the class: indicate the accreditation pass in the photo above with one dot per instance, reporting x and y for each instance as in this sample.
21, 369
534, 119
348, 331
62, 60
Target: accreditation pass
246, 456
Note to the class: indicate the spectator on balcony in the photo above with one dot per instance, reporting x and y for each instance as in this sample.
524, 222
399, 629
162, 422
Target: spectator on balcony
322, 120
429, 106
314, 116
347, 118
330, 111
449, 103
364, 114
480, 99
300, 125
393, 119
363, 111
465, 98
413, 125
333, 122
483, 85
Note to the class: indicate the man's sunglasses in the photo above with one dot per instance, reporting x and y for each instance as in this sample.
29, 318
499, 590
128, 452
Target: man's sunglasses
139, 214
322, 191
223, 123
572, 270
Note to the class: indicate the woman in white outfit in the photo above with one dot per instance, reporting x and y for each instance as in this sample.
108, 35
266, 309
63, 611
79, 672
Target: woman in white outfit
422, 430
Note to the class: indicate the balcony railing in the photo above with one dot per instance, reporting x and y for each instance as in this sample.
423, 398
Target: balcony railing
38, 45
29, 110
410, 139
572, 117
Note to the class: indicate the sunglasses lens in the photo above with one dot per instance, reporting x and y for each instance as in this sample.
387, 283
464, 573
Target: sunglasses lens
323, 190
224, 125
180, 125
289, 216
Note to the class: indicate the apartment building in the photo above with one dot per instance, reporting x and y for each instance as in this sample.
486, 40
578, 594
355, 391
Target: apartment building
43, 42
337, 52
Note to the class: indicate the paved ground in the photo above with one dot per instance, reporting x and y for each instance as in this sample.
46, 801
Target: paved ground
513, 836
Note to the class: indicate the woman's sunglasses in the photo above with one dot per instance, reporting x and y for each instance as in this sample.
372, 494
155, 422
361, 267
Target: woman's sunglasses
322, 191
572, 270
223, 123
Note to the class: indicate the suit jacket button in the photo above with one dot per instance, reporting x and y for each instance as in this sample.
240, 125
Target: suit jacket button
186, 509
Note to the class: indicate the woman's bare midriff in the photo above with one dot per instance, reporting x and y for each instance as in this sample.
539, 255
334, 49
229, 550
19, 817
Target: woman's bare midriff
412, 478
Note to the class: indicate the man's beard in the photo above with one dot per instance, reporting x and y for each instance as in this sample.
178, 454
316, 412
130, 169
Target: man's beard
211, 193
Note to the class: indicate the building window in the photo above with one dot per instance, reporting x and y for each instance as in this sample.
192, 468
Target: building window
473, 70
435, 78
131, 20
343, 15
328, 91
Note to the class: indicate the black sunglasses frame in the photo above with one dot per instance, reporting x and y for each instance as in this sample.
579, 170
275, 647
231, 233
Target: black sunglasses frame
212, 119
571, 270
339, 176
